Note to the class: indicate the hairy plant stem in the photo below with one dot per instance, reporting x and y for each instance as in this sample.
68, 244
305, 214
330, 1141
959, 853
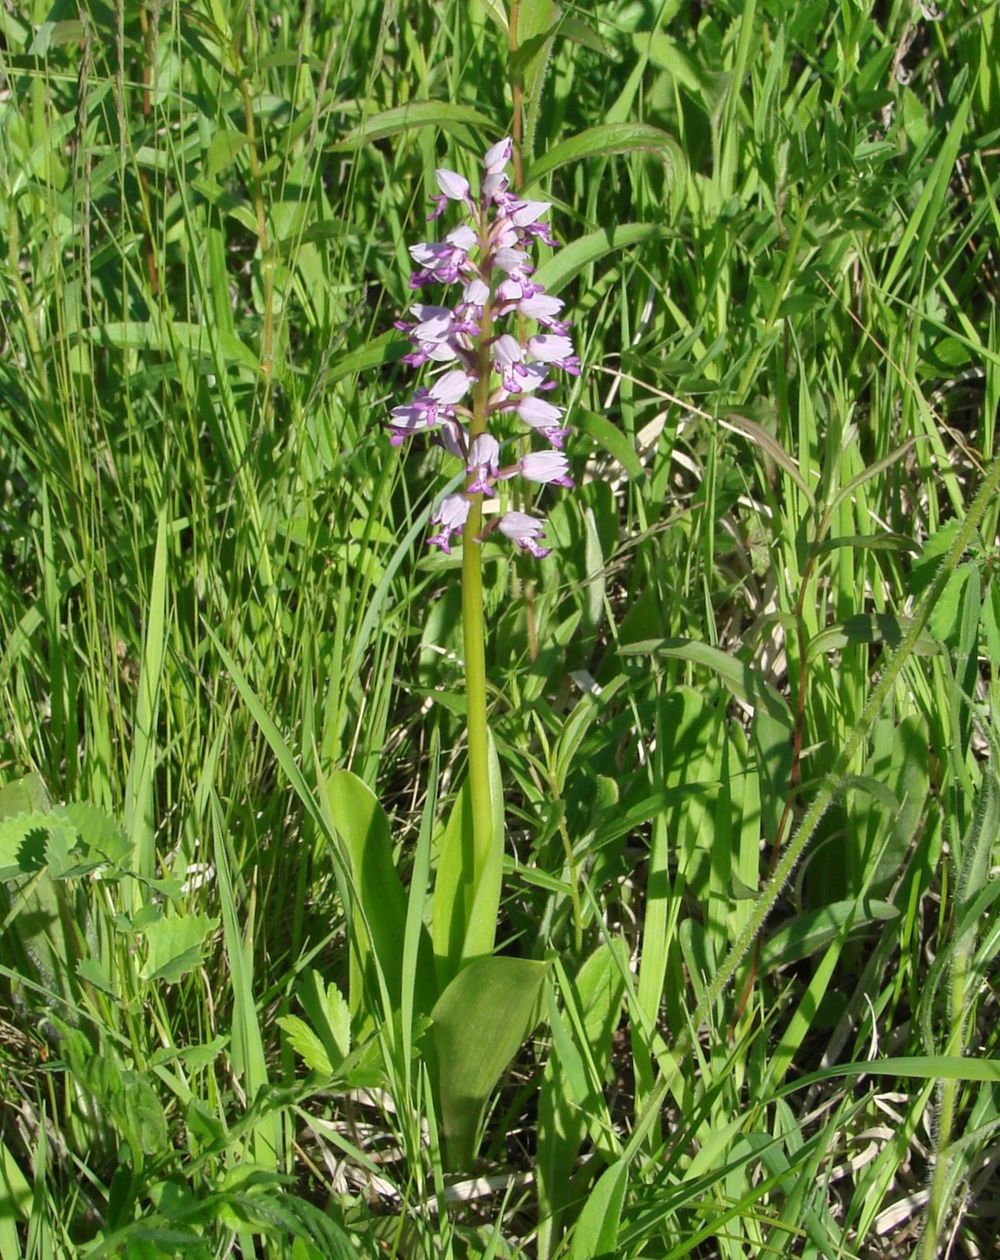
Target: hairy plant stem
828, 790
474, 630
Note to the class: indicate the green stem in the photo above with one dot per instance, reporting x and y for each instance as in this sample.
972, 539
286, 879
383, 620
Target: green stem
474, 636
828, 790
474, 631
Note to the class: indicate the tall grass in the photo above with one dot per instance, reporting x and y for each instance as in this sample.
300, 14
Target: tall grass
782, 263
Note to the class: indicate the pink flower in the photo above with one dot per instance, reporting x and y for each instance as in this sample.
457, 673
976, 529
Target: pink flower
424, 411
484, 456
498, 156
453, 186
513, 261
476, 293
538, 413
533, 376
494, 186
437, 335
443, 262
547, 467
451, 387
543, 307
451, 515
546, 348
543, 417
524, 531
525, 212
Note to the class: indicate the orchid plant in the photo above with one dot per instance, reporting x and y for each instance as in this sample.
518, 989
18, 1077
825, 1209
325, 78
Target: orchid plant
496, 348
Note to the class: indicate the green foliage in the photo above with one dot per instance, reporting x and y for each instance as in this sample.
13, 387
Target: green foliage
237, 1007
478, 1024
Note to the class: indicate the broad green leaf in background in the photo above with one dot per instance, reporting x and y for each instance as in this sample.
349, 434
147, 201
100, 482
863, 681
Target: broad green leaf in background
23, 796
603, 141
742, 680
15, 1203
869, 628
571, 1097
607, 435
378, 923
813, 930
497, 10
139, 788
416, 114
567, 263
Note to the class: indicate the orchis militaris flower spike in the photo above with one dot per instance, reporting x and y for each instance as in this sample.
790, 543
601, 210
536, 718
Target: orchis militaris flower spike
486, 373
489, 373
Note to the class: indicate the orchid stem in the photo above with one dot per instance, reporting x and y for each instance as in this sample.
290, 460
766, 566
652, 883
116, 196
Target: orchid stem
474, 637
474, 633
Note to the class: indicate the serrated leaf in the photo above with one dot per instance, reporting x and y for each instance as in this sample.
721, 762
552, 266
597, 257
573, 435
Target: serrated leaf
175, 945
139, 1114
328, 1013
98, 831
306, 1044
537, 23
193, 1057
61, 855
338, 1016
22, 844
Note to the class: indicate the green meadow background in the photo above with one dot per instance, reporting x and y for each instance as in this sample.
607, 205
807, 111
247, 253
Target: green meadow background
782, 261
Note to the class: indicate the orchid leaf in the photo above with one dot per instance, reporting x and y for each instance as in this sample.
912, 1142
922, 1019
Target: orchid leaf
478, 1024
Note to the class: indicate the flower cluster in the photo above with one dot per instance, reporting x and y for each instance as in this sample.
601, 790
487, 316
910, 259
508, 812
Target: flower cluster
486, 373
